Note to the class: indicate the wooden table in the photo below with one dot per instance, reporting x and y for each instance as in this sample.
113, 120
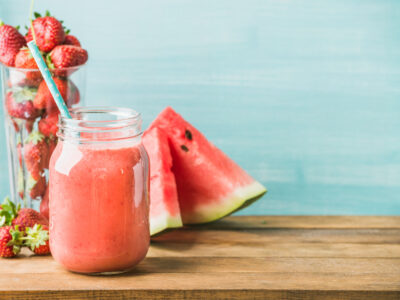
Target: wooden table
237, 258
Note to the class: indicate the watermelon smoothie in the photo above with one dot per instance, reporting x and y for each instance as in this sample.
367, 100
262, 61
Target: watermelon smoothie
99, 210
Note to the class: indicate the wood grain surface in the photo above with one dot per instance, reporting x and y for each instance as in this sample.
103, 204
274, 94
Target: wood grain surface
302, 94
237, 258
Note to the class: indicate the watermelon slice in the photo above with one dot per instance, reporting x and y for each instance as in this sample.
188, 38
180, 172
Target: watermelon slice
164, 206
210, 185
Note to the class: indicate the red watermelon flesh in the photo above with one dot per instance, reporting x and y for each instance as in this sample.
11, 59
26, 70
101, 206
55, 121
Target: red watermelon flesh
210, 184
164, 206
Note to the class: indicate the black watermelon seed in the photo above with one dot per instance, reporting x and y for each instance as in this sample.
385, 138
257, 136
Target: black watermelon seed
184, 148
188, 135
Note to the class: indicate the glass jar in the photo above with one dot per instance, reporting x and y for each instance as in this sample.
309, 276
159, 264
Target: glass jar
99, 182
31, 118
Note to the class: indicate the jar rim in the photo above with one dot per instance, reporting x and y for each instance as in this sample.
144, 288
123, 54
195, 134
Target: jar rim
128, 113
126, 122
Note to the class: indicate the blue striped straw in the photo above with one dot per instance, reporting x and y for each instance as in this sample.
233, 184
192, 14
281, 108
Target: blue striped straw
49, 80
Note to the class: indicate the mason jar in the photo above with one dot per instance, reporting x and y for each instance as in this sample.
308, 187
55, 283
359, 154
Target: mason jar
99, 201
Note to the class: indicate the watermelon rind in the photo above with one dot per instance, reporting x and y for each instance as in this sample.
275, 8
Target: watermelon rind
166, 221
238, 199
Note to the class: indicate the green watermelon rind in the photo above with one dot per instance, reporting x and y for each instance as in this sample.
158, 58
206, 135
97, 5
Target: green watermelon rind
163, 222
240, 198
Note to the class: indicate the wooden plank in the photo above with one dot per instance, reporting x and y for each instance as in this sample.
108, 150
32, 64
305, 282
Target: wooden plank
308, 222
278, 235
196, 294
38, 265
275, 250
200, 281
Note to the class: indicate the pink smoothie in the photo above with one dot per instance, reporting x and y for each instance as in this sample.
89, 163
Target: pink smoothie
98, 207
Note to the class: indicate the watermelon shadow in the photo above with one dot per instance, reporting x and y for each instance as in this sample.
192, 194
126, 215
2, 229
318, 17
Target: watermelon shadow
174, 240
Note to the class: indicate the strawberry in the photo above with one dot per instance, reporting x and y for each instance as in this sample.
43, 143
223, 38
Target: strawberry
65, 56
25, 60
19, 103
49, 33
36, 188
68, 90
10, 241
37, 239
71, 40
8, 211
44, 204
28, 217
35, 155
10, 43
48, 125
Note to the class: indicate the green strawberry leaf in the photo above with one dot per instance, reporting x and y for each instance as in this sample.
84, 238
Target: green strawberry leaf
35, 137
49, 62
8, 212
1, 22
22, 94
36, 14
17, 27
47, 13
35, 237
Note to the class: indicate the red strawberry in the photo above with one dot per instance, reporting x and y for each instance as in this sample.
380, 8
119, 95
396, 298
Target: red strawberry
71, 40
68, 90
44, 204
37, 239
36, 153
10, 43
19, 104
25, 60
36, 188
28, 217
48, 125
65, 56
49, 33
10, 241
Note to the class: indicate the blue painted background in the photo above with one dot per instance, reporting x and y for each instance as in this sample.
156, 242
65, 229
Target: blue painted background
304, 94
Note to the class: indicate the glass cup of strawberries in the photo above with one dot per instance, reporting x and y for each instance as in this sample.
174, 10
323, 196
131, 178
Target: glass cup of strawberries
31, 115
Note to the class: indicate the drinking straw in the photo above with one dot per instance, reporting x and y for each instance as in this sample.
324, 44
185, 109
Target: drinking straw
48, 79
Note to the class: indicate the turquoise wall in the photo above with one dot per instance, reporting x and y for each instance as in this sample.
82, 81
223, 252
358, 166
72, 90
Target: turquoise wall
304, 94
